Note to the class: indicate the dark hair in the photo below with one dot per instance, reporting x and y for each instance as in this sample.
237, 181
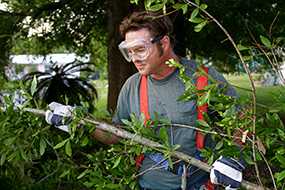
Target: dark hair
155, 22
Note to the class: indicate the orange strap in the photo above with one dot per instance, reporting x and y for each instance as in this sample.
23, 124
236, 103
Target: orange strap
144, 98
201, 83
144, 109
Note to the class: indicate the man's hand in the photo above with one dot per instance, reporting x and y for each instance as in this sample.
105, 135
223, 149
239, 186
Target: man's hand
59, 115
227, 172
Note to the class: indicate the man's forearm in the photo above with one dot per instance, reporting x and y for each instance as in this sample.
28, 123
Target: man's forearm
105, 137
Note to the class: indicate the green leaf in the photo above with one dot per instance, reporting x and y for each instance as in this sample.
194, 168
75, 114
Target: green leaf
43, 146
61, 144
197, 2
265, 41
117, 162
68, 149
65, 173
196, 20
203, 123
163, 135
84, 141
203, 6
211, 160
200, 26
134, 2
83, 174
194, 13
34, 85
241, 47
152, 5
3, 159
219, 145
204, 99
23, 154
182, 6
280, 176
281, 159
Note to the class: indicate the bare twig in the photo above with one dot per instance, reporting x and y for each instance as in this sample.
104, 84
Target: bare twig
249, 75
272, 24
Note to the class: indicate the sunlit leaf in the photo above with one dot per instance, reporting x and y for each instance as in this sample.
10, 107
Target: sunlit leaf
280, 176
117, 162
204, 6
203, 123
68, 149
196, 20
194, 13
219, 145
3, 159
61, 144
42, 146
242, 48
200, 26
265, 41
83, 174
34, 85
197, 2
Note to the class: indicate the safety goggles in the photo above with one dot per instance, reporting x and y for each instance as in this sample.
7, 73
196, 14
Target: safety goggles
138, 49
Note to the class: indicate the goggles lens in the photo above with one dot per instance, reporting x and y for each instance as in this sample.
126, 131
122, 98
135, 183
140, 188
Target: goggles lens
138, 49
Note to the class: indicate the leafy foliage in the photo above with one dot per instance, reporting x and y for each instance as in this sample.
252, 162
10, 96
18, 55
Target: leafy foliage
62, 84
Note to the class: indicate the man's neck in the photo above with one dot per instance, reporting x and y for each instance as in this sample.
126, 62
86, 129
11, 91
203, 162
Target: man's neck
165, 69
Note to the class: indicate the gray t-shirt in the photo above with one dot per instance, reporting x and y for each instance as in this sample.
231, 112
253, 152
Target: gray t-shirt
163, 103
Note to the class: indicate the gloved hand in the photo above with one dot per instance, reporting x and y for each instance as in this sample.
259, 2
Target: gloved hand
227, 172
59, 115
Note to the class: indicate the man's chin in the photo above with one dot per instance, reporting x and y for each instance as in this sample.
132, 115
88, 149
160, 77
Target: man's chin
143, 72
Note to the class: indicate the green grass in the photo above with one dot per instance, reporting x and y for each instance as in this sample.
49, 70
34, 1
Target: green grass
101, 103
267, 97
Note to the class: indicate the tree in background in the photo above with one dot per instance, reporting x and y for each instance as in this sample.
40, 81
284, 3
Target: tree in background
75, 24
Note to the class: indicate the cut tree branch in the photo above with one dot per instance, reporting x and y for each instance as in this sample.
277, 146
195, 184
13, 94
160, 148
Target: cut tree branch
152, 144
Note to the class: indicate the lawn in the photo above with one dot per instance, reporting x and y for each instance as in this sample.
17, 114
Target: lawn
267, 97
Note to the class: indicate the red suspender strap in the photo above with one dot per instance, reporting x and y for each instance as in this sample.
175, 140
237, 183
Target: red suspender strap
201, 83
144, 109
144, 98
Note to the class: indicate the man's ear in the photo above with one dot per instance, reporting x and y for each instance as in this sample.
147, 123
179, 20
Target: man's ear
165, 42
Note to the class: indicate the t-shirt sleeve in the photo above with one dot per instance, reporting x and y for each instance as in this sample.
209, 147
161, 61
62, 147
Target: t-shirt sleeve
230, 91
123, 105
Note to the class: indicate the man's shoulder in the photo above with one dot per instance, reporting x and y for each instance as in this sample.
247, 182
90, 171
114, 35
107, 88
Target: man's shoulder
188, 63
134, 78
132, 81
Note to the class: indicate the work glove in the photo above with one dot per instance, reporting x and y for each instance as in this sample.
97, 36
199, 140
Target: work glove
227, 172
59, 115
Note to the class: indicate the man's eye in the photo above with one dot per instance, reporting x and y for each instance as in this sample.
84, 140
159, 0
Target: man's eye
139, 50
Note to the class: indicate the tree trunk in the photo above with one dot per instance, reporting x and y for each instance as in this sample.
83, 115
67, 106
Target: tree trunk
7, 30
118, 69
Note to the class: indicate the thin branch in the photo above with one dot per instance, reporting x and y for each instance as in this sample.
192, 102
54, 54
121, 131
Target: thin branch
270, 171
249, 75
273, 22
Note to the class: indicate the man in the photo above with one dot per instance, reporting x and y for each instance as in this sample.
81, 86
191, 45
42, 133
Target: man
149, 45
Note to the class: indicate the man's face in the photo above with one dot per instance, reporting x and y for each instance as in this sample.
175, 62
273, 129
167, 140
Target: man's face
147, 55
